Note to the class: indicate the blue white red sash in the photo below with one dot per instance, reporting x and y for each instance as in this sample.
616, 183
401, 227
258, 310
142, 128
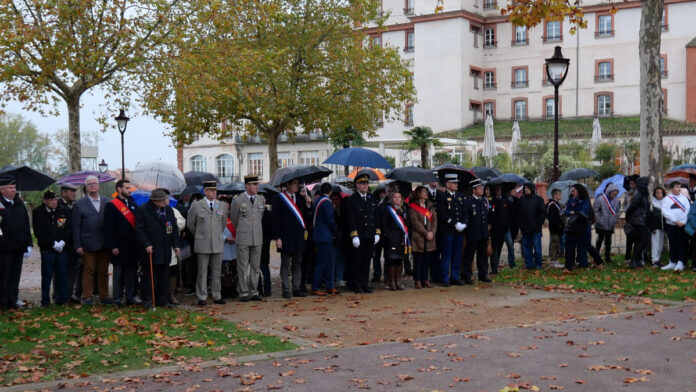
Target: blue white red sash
293, 207
611, 208
398, 219
316, 210
678, 203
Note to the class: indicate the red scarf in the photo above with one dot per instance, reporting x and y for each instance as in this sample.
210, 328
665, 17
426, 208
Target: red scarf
231, 228
423, 211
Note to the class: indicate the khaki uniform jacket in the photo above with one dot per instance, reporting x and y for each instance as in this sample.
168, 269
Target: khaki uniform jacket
246, 219
207, 226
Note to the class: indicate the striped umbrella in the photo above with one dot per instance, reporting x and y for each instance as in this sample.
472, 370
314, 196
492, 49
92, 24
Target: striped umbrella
78, 178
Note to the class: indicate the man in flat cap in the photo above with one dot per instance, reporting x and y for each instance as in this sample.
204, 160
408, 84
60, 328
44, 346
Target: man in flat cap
52, 231
15, 241
476, 219
364, 230
206, 220
451, 224
246, 214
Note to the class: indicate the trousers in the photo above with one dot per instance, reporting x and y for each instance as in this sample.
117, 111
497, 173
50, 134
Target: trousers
212, 261
248, 269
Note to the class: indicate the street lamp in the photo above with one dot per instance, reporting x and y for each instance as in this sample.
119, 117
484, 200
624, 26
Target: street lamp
556, 72
103, 166
122, 123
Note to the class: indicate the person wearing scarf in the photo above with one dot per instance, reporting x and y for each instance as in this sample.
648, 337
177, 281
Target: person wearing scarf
396, 240
423, 223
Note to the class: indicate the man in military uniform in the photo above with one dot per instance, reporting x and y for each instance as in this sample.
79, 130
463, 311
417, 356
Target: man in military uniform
451, 224
246, 215
364, 229
476, 218
74, 266
207, 219
15, 241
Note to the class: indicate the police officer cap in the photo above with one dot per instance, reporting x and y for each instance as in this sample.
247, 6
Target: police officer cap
451, 177
68, 186
251, 179
6, 179
362, 176
475, 182
210, 184
158, 194
49, 194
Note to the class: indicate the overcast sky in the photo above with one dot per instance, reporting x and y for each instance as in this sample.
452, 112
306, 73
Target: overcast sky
145, 138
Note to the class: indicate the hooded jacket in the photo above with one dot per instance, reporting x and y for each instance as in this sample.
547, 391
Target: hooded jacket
605, 218
530, 211
637, 211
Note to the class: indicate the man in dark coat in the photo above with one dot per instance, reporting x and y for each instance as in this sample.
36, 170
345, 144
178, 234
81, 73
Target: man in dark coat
363, 225
476, 219
74, 265
122, 243
15, 242
290, 231
324, 234
501, 218
156, 229
52, 230
531, 213
451, 224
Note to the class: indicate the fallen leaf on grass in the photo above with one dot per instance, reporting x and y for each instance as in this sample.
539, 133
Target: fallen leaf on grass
300, 381
404, 377
514, 355
643, 371
461, 379
562, 365
631, 380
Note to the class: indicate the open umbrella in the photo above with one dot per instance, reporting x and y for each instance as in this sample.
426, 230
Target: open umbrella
191, 189
150, 175
489, 150
268, 190
233, 188
577, 174
683, 181
508, 181
198, 177
141, 197
303, 173
26, 178
356, 156
412, 174
375, 175
335, 188
688, 170
616, 180
564, 187
485, 173
464, 175
78, 178
516, 137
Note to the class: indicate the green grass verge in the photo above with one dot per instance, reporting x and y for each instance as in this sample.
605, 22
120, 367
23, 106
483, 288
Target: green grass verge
72, 342
615, 278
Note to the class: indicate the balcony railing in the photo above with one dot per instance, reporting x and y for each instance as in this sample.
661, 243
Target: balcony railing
604, 78
604, 34
490, 86
519, 84
552, 38
519, 42
490, 45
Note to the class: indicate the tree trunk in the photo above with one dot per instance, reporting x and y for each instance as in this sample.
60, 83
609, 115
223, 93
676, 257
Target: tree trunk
650, 89
425, 161
74, 145
273, 151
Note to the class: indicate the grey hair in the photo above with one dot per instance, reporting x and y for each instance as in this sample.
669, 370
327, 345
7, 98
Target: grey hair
91, 177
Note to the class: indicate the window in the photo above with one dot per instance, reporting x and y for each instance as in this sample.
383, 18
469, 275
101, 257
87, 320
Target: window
519, 77
489, 38
225, 166
520, 109
605, 26
489, 4
408, 121
376, 41
309, 158
408, 7
553, 31
198, 163
604, 71
489, 80
476, 30
604, 105
284, 159
520, 36
665, 26
549, 104
256, 164
410, 41
663, 66
489, 109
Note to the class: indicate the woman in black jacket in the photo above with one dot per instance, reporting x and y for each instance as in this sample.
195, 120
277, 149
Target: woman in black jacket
396, 241
637, 219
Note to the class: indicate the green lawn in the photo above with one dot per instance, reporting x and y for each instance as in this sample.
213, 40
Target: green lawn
616, 278
73, 342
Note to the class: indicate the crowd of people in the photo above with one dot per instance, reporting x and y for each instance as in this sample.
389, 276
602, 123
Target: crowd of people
219, 246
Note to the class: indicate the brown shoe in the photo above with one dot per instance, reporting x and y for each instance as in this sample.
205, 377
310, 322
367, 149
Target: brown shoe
427, 284
318, 292
334, 292
173, 300
418, 285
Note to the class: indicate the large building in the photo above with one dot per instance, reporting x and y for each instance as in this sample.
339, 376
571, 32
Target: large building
468, 61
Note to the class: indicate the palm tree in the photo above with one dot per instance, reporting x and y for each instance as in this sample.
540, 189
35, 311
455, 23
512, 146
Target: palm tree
422, 138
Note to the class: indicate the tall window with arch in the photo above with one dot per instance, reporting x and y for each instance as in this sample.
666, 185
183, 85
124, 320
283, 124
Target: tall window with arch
198, 163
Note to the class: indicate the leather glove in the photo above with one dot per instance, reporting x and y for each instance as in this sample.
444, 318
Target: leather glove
28, 252
376, 238
356, 242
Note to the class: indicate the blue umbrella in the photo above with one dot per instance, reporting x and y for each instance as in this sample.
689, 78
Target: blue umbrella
617, 180
141, 197
356, 156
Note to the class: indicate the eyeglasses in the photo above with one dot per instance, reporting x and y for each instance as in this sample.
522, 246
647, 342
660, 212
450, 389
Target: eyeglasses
92, 184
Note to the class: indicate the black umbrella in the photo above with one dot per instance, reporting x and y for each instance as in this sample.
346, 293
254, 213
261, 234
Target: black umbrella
198, 178
232, 188
191, 189
485, 173
412, 174
628, 179
26, 178
464, 175
507, 181
578, 174
268, 190
303, 173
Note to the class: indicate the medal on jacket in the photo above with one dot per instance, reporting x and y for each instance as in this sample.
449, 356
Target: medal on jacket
306, 235
474, 211
168, 226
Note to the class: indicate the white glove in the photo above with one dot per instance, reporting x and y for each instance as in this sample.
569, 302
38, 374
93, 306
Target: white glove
376, 238
356, 242
28, 253
56, 246
459, 226
62, 244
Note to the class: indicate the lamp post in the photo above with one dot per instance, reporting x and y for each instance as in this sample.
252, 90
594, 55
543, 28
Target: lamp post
556, 72
122, 123
103, 166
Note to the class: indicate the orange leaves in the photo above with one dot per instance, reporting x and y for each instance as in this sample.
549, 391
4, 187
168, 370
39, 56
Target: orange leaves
631, 380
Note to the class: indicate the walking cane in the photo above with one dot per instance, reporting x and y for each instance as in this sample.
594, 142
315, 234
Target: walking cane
152, 284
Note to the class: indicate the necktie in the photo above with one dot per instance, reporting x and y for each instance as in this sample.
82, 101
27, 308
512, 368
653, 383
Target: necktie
293, 198
211, 206
252, 200
11, 202
364, 197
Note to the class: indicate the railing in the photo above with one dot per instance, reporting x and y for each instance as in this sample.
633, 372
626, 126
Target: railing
553, 38
520, 42
519, 84
604, 34
604, 78
489, 45
489, 5
490, 86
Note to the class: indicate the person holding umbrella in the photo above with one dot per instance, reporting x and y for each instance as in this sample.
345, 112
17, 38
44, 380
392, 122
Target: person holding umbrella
157, 231
606, 208
450, 210
363, 225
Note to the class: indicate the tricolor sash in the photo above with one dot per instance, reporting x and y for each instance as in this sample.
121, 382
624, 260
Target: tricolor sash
422, 210
678, 203
316, 210
293, 207
125, 211
402, 225
611, 208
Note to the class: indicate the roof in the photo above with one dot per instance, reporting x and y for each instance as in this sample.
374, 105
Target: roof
692, 43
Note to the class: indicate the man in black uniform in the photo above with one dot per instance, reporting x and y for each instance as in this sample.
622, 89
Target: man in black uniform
362, 220
451, 224
122, 243
74, 266
15, 241
476, 216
